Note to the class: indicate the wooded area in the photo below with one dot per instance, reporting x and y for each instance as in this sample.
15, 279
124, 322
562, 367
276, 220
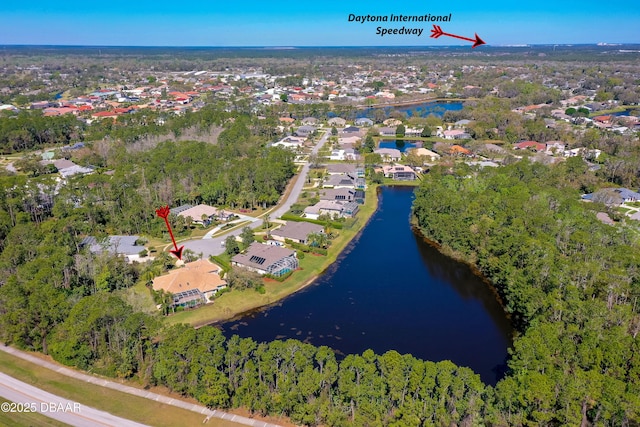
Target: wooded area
570, 282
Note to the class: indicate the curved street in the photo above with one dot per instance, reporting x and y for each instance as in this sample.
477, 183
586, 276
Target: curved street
213, 245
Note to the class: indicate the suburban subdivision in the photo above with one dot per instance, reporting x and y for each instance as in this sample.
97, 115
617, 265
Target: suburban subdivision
155, 203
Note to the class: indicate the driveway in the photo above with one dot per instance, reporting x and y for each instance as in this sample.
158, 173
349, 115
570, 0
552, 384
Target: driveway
213, 245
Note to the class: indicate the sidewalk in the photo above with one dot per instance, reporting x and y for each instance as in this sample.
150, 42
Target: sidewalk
243, 218
135, 391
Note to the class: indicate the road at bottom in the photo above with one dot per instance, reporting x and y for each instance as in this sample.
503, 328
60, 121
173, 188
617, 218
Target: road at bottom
26, 398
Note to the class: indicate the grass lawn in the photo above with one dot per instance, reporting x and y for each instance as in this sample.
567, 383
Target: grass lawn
606, 112
121, 404
391, 182
624, 210
237, 302
21, 419
139, 297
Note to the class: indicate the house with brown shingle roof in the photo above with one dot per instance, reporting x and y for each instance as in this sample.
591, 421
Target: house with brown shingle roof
193, 284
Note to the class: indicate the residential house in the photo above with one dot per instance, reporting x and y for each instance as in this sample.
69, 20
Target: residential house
399, 172
349, 140
333, 208
67, 168
389, 154
296, 231
204, 214
613, 196
337, 155
428, 154
340, 168
310, 121
410, 131
462, 124
530, 145
387, 131
456, 134
350, 131
337, 121
305, 131
456, 150
266, 259
116, 245
555, 147
291, 142
193, 284
586, 153
364, 122
342, 194
339, 181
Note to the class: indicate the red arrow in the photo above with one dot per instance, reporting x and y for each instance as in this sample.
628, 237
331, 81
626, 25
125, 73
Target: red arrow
164, 213
437, 32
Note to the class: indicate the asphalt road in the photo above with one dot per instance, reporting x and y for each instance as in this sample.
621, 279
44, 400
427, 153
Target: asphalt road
207, 413
26, 398
214, 246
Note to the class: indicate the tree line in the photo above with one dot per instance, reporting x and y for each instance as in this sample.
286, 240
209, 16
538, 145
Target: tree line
570, 283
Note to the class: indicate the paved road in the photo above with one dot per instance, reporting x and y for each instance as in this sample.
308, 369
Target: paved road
27, 398
213, 246
206, 412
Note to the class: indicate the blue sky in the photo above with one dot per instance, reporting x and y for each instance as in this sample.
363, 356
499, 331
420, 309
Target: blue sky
280, 23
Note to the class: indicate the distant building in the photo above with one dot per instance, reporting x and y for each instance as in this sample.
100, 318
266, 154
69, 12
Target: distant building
389, 154
399, 172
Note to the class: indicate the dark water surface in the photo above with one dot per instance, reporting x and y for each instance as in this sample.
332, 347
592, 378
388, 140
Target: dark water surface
399, 144
437, 108
389, 290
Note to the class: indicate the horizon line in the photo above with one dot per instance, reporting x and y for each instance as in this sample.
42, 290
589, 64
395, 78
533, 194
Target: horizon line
288, 47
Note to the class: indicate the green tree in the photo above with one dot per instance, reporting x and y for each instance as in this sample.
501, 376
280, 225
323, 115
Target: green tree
231, 246
247, 236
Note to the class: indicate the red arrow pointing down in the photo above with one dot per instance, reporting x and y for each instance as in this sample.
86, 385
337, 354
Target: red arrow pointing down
437, 32
164, 213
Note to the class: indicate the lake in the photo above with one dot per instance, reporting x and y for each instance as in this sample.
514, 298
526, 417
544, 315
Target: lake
390, 290
399, 144
437, 108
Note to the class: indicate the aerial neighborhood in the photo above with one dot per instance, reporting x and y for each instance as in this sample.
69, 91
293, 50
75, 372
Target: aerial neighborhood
143, 195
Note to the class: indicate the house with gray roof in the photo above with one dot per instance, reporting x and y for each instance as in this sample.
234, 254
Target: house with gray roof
343, 194
389, 154
339, 181
333, 208
613, 196
387, 131
340, 168
364, 121
116, 245
305, 131
296, 231
266, 259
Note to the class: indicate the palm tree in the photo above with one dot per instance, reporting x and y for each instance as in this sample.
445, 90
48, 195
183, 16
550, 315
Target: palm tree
318, 240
